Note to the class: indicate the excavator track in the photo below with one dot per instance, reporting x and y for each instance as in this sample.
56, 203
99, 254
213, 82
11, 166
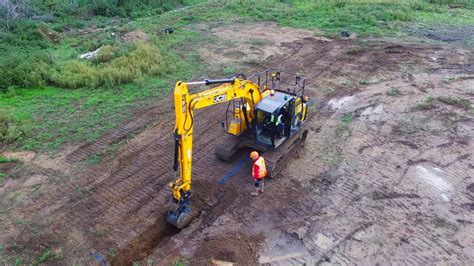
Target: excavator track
276, 159
229, 145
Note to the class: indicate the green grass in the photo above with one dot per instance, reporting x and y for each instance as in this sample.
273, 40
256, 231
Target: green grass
94, 159
427, 104
43, 114
394, 92
57, 116
364, 17
347, 118
228, 71
18, 262
52, 116
4, 159
44, 257
459, 102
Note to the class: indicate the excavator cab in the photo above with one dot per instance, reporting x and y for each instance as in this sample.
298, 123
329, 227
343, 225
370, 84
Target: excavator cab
273, 119
281, 112
279, 116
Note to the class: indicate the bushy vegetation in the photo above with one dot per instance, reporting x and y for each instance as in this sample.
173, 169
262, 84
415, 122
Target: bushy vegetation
107, 7
37, 69
10, 129
144, 60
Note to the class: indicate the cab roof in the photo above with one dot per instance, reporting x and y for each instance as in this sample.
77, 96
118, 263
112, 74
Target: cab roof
270, 103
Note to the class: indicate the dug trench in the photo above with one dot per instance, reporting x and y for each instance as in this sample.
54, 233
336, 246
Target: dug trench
115, 211
159, 234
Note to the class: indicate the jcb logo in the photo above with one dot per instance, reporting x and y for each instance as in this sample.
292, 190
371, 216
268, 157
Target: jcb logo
220, 98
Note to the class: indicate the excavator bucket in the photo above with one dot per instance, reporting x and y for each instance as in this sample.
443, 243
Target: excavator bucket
180, 215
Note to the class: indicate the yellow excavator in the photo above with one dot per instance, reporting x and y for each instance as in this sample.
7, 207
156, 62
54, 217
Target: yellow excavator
265, 112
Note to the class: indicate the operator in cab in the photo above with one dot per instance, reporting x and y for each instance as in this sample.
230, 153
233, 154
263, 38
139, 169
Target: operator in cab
259, 172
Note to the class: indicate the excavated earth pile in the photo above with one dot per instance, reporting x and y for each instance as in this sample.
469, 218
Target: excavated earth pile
386, 173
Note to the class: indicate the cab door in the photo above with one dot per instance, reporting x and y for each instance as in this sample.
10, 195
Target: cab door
298, 112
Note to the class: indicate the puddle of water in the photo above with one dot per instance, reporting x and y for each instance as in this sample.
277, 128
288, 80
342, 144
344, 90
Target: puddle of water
336, 104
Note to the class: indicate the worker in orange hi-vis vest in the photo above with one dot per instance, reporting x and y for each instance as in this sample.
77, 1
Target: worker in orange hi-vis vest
259, 171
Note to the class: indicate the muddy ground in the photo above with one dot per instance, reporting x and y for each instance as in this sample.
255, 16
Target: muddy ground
386, 173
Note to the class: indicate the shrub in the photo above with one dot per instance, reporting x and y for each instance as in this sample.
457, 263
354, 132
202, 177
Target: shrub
24, 70
106, 54
10, 129
144, 59
75, 74
106, 7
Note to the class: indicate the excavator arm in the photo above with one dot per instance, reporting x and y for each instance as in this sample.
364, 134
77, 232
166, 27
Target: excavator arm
185, 104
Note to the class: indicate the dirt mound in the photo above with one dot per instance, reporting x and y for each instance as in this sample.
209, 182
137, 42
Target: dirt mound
135, 36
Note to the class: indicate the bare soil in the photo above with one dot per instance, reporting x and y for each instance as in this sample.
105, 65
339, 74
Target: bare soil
382, 178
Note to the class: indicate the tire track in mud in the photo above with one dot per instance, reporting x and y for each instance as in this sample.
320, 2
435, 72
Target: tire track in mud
424, 240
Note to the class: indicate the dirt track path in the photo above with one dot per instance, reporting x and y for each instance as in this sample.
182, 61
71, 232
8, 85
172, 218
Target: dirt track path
370, 186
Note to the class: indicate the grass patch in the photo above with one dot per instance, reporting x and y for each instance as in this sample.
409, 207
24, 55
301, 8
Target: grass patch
427, 104
94, 159
364, 17
410, 126
394, 92
48, 255
228, 70
18, 262
344, 131
459, 102
347, 118
4, 159
181, 262
10, 127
